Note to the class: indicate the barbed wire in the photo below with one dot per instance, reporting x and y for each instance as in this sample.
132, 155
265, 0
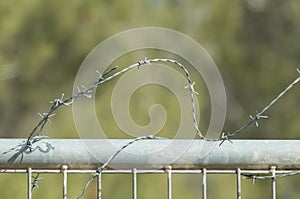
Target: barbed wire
35, 181
264, 177
57, 103
104, 166
87, 92
259, 115
22, 148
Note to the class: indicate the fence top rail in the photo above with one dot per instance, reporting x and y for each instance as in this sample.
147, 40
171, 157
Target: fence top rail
150, 154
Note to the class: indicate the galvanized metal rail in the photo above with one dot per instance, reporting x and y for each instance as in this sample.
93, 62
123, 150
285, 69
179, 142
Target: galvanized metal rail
151, 154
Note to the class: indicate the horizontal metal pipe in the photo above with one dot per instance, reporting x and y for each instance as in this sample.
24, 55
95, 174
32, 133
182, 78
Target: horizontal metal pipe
154, 171
150, 154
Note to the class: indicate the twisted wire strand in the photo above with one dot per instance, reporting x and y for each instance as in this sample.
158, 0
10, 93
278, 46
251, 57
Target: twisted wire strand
107, 76
265, 177
104, 166
36, 179
259, 115
87, 92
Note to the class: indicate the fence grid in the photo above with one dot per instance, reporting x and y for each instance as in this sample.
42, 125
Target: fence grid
272, 172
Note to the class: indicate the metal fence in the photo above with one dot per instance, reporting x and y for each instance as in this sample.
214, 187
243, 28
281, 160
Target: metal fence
253, 159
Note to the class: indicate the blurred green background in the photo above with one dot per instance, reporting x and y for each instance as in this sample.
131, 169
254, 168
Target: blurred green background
254, 43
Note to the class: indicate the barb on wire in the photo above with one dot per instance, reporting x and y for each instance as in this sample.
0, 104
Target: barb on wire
57, 103
22, 147
192, 92
36, 179
104, 166
260, 115
264, 177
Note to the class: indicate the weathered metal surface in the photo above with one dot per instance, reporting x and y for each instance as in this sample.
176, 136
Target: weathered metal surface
151, 154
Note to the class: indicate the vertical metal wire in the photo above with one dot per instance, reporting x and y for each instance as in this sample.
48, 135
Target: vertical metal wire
99, 185
169, 176
29, 194
204, 183
273, 168
65, 176
134, 184
239, 186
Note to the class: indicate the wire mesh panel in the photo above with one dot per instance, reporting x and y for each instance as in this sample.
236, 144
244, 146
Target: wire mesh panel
203, 174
